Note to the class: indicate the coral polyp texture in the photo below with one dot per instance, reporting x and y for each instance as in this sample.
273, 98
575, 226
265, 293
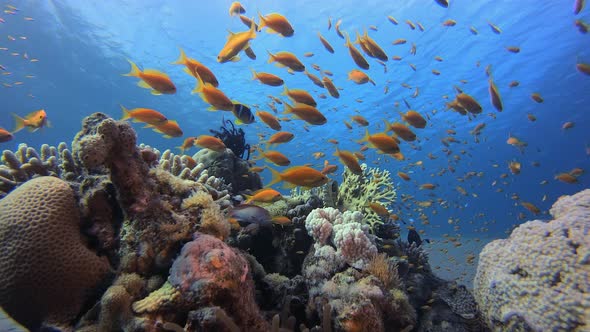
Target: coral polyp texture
538, 278
46, 270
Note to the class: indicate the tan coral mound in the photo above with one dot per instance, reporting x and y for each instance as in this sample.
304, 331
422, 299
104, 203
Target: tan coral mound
538, 279
46, 272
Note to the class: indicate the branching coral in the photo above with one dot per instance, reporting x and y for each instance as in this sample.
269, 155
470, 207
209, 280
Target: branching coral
372, 186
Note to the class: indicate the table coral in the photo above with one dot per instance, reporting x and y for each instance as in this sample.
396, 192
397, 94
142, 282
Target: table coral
537, 279
372, 186
46, 271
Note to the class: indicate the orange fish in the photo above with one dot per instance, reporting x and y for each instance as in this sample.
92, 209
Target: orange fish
348, 159
286, 59
267, 78
495, 95
514, 167
360, 120
269, 119
514, 84
513, 49
469, 103
248, 22
449, 23
414, 119
5, 135
401, 130
213, 96
316, 80
392, 20
428, 186
531, 207
494, 28
404, 176
281, 220
411, 24
537, 97
329, 169
379, 209
275, 157
356, 55
299, 96
337, 27
359, 77
306, 113
370, 46
326, 44
210, 142
277, 23
328, 84
567, 125
145, 115
236, 42
583, 68
303, 176
578, 6
566, 178
188, 143
381, 141
33, 121
169, 129
194, 68
267, 195
155, 80
399, 41
236, 8
576, 172
280, 138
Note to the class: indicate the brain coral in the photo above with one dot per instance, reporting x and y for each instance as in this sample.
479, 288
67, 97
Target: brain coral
46, 272
538, 278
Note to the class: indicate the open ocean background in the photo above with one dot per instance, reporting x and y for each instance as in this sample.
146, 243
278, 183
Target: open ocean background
82, 47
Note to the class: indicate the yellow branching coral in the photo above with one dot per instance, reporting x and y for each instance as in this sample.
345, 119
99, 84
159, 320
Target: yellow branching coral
372, 186
213, 221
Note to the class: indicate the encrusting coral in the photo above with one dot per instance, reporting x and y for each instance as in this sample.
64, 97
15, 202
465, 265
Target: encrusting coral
46, 270
538, 278
371, 186
208, 273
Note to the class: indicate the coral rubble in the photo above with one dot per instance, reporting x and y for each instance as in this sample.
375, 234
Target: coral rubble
537, 279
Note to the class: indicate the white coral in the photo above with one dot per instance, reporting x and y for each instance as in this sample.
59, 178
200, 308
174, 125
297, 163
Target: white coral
541, 273
352, 239
318, 223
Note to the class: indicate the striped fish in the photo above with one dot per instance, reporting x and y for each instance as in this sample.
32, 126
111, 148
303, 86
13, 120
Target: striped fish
243, 113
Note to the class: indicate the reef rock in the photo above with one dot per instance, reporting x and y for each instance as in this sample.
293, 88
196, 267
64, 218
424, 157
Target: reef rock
46, 270
538, 278
208, 273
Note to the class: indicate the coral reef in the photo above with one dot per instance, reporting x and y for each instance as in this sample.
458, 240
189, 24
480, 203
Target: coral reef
372, 186
45, 261
232, 169
185, 259
537, 279
208, 273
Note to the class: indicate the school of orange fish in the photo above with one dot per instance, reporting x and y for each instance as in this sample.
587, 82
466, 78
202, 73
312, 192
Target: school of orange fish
301, 104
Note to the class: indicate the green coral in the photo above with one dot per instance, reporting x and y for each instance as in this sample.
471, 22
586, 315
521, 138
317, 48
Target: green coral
372, 186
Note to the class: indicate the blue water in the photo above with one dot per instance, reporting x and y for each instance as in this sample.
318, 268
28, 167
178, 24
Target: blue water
82, 48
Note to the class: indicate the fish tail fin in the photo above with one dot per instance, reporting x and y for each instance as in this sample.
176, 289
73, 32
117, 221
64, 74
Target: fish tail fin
134, 70
254, 77
253, 27
365, 138
200, 84
285, 90
20, 123
126, 113
372, 82
181, 58
271, 57
262, 22
276, 177
288, 108
348, 43
387, 125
